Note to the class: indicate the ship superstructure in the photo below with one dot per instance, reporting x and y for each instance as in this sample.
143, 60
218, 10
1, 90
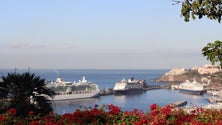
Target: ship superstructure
130, 85
73, 90
191, 87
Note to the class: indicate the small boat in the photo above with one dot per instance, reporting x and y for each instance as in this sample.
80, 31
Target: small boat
73, 90
129, 86
191, 88
216, 97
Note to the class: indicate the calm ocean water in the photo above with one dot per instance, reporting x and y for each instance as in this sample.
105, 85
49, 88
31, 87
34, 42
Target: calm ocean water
107, 79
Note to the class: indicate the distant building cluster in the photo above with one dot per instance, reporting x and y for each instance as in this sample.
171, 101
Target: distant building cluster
207, 69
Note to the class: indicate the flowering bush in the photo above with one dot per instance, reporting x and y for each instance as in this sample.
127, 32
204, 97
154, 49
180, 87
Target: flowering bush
113, 115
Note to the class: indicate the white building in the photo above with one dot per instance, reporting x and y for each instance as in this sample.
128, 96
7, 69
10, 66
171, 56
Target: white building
207, 69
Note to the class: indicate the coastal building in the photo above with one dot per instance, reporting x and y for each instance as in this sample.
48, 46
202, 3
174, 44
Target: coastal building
207, 69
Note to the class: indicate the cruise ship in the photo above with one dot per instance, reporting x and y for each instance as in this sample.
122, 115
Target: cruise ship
129, 86
73, 90
191, 88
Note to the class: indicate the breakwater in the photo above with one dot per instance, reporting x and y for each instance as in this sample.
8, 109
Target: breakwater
179, 103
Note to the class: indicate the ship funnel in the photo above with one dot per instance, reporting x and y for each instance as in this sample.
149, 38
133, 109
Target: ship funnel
84, 79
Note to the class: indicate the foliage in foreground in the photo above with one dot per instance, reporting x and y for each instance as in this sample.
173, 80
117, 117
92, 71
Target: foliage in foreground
212, 9
213, 52
110, 115
25, 92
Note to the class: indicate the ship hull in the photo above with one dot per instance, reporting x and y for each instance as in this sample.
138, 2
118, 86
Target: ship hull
75, 96
192, 92
129, 91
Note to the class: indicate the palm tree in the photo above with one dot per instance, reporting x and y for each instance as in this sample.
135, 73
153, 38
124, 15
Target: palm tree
26, 92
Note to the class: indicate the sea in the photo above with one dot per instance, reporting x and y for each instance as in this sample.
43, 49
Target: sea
107, 79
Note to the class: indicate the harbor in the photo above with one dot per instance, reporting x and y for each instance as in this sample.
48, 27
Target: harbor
154, 93
140, 101
211, 96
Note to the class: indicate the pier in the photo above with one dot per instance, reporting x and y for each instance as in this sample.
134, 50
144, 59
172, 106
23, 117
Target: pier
107, 91
179, 103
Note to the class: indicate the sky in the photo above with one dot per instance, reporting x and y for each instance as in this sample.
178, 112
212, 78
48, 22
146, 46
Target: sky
101, 34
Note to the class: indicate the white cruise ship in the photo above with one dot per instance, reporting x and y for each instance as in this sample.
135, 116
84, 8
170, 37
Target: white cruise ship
192, 88
129, 86
73, 90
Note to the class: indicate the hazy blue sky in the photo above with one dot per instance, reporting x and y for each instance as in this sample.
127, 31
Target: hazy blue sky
101, 34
